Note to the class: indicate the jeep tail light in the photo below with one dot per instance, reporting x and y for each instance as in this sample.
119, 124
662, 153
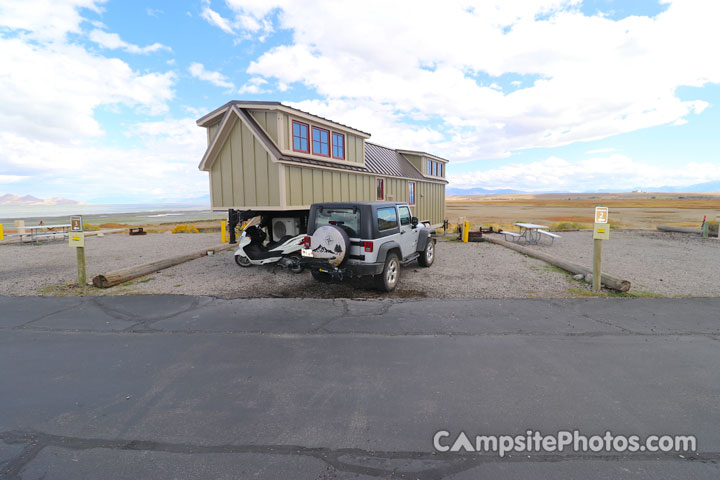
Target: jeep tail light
368, 246
306, 242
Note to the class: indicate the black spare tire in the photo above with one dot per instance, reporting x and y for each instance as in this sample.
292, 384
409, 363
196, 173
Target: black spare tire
330, 243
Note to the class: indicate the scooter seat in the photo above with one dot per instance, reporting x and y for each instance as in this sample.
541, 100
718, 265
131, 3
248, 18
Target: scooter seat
282, 240
256, 252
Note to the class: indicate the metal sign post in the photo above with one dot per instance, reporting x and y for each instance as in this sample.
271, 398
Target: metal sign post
601, 231
77, 240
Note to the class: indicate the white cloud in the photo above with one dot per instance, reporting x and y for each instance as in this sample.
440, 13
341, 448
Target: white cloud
81, 82
5, 179
162, 166
215, 18
615, 172
197, 70
254, 86
113, 41
51, 88
47, 20
589, 77
599, 150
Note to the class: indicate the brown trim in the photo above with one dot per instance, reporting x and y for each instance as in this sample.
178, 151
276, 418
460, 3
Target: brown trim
413, 193
332, 135
339, 168
306, 139
312, 136
382, 188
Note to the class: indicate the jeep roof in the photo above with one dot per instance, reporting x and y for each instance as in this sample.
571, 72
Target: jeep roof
368, 210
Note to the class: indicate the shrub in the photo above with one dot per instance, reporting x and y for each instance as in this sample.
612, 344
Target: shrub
567, 226
90, 228
185, 228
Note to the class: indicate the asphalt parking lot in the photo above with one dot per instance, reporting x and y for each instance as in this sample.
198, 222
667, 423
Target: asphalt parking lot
198, 387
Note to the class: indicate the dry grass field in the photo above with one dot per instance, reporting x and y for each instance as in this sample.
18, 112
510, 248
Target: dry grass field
627, 210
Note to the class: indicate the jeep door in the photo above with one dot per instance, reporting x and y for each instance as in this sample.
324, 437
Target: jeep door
408, 237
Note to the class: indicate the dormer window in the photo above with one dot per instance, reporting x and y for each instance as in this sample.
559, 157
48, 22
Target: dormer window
434, 168
300, 137
321, 141
338, 145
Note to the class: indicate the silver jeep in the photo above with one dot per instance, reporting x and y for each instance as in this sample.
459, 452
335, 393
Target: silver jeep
357, 239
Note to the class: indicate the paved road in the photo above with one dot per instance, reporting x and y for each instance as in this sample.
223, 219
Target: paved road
195, 387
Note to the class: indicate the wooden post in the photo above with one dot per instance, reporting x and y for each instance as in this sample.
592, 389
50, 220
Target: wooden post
597, 264
609, 281
82, 278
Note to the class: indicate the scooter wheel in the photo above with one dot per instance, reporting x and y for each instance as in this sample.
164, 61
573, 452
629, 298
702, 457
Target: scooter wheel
242, 261
296, 266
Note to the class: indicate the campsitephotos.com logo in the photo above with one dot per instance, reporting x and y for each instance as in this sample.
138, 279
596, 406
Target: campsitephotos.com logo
562, 441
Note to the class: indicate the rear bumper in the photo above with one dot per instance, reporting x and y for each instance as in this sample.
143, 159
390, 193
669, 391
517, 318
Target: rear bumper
347, 269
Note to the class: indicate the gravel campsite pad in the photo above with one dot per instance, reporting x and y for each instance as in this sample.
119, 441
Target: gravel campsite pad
661, 263
665, 263
29, 269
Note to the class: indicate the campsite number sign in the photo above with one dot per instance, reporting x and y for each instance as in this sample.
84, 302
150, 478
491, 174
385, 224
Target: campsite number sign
76, 224
601, 214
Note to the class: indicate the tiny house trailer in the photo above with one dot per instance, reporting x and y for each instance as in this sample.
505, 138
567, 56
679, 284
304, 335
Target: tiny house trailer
271, 160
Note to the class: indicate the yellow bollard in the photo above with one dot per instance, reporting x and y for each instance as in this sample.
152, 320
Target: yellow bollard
466, 231
223, 232
2, 235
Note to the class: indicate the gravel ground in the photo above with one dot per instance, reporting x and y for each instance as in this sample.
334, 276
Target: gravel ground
662, 263
32, 268
666, 263
476, 270
495, 272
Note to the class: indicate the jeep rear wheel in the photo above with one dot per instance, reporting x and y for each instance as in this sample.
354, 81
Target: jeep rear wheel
388, 279
427, 257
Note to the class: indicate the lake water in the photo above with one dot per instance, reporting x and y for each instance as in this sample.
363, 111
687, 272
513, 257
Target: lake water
151, 213
49, 211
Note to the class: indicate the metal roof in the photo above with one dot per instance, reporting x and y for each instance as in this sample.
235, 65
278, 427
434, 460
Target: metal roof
259, 103
386, 161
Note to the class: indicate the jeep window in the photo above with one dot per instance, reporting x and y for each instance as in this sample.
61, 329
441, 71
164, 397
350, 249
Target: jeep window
342, 217
404, 216
387, 218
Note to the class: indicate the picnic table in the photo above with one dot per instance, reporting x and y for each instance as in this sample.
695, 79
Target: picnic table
36, 232
531, 233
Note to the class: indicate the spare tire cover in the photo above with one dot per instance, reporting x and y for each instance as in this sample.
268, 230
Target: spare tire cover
330, 243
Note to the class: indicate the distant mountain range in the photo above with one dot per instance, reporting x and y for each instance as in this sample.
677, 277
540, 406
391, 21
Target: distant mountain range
478, 191
707, 187
11, 200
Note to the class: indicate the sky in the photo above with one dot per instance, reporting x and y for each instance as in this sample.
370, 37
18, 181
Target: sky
99, 98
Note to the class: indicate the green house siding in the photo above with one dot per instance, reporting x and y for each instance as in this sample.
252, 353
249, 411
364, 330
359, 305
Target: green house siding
243, 174
268, 121
430, 202
211, 131
418, 162
305, 186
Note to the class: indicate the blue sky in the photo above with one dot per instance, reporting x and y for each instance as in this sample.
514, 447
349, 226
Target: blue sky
100, 97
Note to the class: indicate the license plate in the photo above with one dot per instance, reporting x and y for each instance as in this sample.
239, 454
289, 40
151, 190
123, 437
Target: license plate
306, 252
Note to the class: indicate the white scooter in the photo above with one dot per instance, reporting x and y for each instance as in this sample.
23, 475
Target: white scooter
285, 252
